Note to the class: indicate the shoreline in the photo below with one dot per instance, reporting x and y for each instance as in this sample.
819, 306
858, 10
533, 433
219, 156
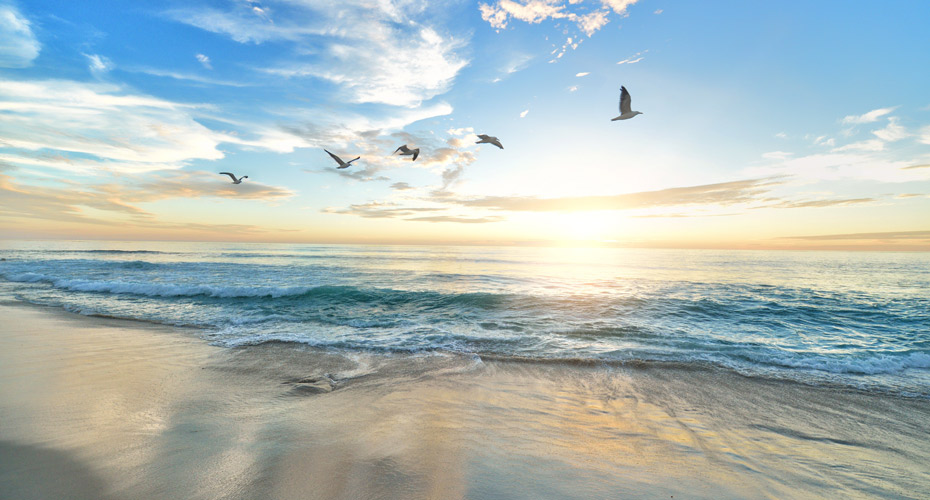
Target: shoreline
108, 408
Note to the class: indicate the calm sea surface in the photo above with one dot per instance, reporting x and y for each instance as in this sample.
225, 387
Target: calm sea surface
857, 320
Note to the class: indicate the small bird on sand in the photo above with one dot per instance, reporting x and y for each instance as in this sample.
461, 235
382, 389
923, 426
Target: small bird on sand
404, 151
342, 164
625, 101
487, 139
233, 177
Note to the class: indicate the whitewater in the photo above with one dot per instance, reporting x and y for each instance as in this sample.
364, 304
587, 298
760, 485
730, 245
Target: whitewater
859, 320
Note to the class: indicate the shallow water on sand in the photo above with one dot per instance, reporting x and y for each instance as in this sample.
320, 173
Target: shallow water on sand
824, 318
100, 408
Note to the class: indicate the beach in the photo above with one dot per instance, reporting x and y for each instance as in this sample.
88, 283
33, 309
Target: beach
105, 408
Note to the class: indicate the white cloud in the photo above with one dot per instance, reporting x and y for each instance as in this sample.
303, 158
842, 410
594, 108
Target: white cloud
204, 60
619, 6
18, 45
243, 24
854, 165
925, 135
776, 155
635, 58
573, 88
591, 22
781, 135
98, 63
892, 132
583, 74
524, 113
587, 20
866, 145
658, 11
825, 141
496, 17
120, 130
365, 51
871, 116
189, 77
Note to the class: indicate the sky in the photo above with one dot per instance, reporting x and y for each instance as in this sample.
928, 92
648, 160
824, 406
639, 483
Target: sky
769, 125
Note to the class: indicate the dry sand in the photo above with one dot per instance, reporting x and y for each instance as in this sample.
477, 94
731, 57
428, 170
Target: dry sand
102, 408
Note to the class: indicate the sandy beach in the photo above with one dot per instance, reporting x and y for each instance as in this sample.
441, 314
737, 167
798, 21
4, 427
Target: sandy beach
103, 408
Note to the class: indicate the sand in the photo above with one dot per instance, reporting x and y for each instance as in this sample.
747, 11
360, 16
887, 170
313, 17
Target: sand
104, 408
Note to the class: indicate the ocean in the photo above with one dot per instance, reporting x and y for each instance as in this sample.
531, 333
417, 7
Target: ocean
855, 320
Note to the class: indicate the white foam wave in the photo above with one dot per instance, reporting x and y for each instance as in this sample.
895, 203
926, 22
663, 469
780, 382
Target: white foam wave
160, 290
875, 365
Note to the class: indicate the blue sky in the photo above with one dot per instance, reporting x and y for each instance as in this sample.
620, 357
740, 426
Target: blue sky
765, 125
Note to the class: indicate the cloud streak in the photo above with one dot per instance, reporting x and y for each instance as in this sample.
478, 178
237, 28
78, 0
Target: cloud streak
890, 235
726, 193
870, 117
122, 130
18, 45
118, 200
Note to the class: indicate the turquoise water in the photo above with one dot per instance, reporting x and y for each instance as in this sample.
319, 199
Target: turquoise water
853, 319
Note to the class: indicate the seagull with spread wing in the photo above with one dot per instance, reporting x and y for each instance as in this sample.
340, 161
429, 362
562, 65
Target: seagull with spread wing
625, 102
342, 164
487, 139
404, 151
233, 177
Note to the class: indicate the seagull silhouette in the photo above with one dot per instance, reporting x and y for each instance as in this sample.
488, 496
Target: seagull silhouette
233, 177
404, 151
625, 101
487, 139
342, 164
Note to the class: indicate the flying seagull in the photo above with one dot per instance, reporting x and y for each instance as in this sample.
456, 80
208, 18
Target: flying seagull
404, 151
625, 112
487, 139
342, 164
233, 177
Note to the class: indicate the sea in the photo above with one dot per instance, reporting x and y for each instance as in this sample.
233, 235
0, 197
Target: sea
854, 320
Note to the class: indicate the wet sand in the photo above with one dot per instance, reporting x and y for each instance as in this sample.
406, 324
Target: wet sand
102, 408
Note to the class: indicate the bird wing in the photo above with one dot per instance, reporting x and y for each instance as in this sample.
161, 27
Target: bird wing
338, 159
496, 142
483, 137
625, 101
416, 152
402, 149
229, 174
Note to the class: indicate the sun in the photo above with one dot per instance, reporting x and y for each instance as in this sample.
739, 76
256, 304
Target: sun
587, 227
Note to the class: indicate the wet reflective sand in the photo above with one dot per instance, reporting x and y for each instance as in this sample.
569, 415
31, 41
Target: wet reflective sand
101, 408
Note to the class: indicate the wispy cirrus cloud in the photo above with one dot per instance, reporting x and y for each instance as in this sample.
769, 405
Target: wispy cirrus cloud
379, 210
392, 210
635, 58
870, 117
18, 45
700, 201
98, 63
204, 61
364, 51
121, 197
888, 235
892, 132
721, 194
818, 203
457, 220
884, 155
925, 135
190, 77
117, 128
